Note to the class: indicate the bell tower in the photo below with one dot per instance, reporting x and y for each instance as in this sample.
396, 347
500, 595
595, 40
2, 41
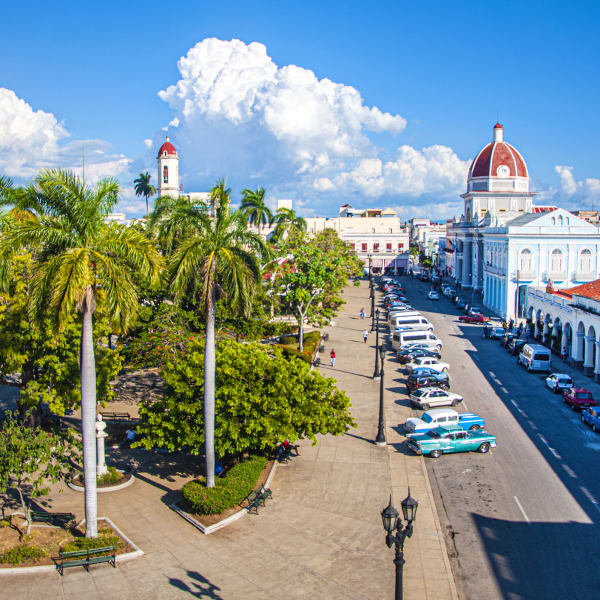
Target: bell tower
168, 170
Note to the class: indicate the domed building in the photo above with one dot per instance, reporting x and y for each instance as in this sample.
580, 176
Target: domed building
503, 243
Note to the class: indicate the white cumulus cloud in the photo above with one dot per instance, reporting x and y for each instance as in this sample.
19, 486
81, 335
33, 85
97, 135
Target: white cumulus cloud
584, 190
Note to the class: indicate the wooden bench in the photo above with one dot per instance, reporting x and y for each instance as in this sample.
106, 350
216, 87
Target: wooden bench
115, 416
57, 518
257, 498
85, 558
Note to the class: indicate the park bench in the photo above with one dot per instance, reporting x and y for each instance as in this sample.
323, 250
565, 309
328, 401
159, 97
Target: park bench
115, 416
58, 518
257, 498
85, 558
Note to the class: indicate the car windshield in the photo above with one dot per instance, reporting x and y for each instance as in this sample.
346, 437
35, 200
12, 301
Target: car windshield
433, 434
418, 393
565, 380
583, 396
427, 418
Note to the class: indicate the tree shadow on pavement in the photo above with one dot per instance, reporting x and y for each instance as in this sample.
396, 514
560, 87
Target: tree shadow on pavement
199, 587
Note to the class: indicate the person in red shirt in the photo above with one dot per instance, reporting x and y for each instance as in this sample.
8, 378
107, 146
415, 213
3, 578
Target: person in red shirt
332, 357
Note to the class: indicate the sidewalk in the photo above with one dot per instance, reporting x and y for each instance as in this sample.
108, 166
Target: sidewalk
321, 535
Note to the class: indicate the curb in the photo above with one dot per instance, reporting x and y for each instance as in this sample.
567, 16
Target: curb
137, 552
112, 488
208, 529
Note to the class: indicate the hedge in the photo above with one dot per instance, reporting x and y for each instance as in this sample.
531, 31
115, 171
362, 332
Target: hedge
289, 345
229, 490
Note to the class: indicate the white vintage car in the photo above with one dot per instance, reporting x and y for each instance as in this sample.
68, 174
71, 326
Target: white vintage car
427, 398
427, 361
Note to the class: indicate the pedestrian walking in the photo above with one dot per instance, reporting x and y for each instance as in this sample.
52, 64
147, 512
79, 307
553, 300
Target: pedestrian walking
365, 335
362, 313
332, 357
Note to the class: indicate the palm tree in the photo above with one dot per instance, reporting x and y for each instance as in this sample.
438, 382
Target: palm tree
143, 187
254, 208
287, 222
217, 257
80, 261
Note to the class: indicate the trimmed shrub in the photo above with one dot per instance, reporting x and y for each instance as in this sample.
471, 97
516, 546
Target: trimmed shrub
22, 553
106, 537
229, 490
111, 477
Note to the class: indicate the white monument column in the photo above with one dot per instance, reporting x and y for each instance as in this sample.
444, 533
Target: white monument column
100, 456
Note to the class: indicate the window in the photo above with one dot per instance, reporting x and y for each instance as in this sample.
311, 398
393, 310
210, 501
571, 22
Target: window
388, 247
400, 246
585, 261
390, 230
353, 246
372, 229
560, 220
525, 261
363, 247
556, 261
376, 247
165, 174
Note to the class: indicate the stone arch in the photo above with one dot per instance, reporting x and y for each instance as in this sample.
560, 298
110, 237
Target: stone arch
590, 350
557, 329
579, 347
567, 340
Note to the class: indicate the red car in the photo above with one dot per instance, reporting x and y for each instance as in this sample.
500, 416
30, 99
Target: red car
475, 318
578, 398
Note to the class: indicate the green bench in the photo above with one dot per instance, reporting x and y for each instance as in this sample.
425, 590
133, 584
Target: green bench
115, 416
58, 518
85, 558
257, 498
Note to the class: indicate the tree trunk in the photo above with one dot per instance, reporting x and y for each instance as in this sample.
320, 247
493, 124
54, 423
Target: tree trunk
209, 392
88, 415
301, 333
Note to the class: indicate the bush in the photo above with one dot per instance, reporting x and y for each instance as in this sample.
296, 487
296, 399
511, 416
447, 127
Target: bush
111, 477
22, 553
289, 345
229, 490
106, 537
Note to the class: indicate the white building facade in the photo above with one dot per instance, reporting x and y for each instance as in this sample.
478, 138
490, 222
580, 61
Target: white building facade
503, 243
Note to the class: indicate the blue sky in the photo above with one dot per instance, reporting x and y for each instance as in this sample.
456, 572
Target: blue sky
430, 78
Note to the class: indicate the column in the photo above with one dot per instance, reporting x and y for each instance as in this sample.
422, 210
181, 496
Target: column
564, 351
578, 349
466, 264
545, 333
597, 366
588, 364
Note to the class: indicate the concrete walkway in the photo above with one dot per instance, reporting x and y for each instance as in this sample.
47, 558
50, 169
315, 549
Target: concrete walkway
320, 537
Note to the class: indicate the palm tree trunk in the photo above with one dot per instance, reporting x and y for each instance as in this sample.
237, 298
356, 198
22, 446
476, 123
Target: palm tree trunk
209, 391
147, 212
88, 416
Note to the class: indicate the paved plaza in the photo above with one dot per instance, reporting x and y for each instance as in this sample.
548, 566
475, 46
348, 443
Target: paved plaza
320, 537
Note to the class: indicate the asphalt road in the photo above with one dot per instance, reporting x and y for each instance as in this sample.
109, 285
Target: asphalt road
521, 521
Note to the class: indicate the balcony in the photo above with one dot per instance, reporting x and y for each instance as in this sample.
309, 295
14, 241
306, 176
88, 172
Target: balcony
555, 275
587, 276
524, 276
495, 270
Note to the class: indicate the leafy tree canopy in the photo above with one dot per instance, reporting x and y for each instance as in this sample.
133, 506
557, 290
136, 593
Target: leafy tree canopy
261, 399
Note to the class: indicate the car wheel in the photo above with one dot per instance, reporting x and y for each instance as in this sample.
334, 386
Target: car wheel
445, 370
556, 389
485, 447
435, 453
475, 428
529, 368
582, 418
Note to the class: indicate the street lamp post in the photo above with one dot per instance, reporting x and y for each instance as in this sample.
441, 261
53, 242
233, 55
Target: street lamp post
391, 522
372, 309
370, 272
380, 439
376, 375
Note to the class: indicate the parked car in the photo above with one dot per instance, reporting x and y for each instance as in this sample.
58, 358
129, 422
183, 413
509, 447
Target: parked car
450, 292
475, 318
559, 382
591, 417
433, 295
446, 440
474, 310
578, 398
442, 417
515, 346
403, 351
535, 358
493, 333
426, 361
411, 356
435, 380
506, 338
427, 398
460, 304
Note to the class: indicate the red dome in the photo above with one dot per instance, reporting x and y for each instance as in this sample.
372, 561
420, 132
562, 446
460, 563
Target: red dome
496, 154
168, 148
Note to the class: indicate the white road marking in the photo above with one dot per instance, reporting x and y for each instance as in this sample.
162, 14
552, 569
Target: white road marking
569, 471
522, 412
522, 511
504, 389
590, 497
532, 424
547, 444
492, 374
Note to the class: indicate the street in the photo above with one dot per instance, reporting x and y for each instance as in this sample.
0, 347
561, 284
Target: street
521, 521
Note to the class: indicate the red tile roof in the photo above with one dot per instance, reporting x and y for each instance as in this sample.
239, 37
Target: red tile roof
587, 290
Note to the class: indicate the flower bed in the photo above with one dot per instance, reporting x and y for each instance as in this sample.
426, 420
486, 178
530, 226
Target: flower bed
289, 345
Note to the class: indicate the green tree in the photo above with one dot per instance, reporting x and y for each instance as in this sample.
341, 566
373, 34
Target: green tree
217, 257
287, 222
261, 399
82, 262
32, 458
143, 187
254, 208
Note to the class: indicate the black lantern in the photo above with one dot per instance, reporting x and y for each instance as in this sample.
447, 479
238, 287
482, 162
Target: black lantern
389, 516
409, 508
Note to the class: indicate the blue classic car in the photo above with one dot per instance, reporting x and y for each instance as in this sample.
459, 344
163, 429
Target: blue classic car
591, 416
445, 440
442, 417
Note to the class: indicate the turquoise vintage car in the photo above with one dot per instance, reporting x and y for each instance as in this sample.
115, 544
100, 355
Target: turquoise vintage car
444, 440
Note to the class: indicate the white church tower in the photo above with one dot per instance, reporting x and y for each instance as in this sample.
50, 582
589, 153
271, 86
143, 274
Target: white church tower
168, 170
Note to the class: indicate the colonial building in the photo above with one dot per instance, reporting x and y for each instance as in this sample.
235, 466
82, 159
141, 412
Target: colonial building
378, 236
503, 243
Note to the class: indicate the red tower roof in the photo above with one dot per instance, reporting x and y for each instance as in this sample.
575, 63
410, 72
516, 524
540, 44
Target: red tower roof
496, 154
168, 148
